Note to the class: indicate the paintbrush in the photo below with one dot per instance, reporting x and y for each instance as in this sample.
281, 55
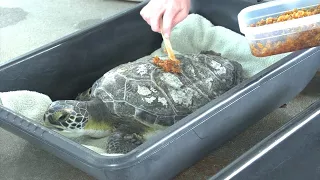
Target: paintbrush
167, 44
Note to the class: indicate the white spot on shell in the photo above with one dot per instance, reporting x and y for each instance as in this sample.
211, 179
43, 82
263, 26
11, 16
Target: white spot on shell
163, 101
217, 66
120, 70
144, 91
153, 89
142, 69
150, 99
183, 97
171, 80
221, 70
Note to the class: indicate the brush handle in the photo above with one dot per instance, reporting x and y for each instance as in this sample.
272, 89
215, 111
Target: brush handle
167, 43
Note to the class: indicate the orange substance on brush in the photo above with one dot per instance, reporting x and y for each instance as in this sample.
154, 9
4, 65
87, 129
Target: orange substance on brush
172, 66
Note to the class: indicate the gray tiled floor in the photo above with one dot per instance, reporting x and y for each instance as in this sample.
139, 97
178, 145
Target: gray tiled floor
25, 25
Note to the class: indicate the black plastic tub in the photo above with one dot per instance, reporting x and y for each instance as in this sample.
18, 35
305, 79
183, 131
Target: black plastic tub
292, 152
70, 65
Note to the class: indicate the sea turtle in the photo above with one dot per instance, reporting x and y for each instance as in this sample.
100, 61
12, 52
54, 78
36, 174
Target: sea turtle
133, 101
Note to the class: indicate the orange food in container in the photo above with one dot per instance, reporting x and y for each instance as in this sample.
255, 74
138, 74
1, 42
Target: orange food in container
283, 26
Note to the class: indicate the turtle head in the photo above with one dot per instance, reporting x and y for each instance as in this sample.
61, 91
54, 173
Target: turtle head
84, 96
76, 118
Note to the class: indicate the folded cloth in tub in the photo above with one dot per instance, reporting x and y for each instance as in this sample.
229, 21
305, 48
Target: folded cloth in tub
26, 103
192, 35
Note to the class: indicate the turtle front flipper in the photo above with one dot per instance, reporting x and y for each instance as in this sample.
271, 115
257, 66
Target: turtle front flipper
122, 143
126, 137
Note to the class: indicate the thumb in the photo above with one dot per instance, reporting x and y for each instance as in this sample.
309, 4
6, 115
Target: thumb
168, 20
179, 18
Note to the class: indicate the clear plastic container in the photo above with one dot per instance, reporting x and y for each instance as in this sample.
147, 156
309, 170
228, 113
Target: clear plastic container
269, 32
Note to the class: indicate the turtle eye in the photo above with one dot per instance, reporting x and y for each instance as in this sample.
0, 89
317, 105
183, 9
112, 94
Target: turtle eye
63, 117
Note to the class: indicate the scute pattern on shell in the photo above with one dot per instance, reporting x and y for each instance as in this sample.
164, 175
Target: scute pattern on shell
142, 91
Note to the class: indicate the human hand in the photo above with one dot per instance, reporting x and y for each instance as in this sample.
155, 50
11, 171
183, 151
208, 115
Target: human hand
170, 12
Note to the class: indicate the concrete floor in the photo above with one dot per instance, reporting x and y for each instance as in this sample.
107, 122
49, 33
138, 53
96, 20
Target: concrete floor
26, 25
